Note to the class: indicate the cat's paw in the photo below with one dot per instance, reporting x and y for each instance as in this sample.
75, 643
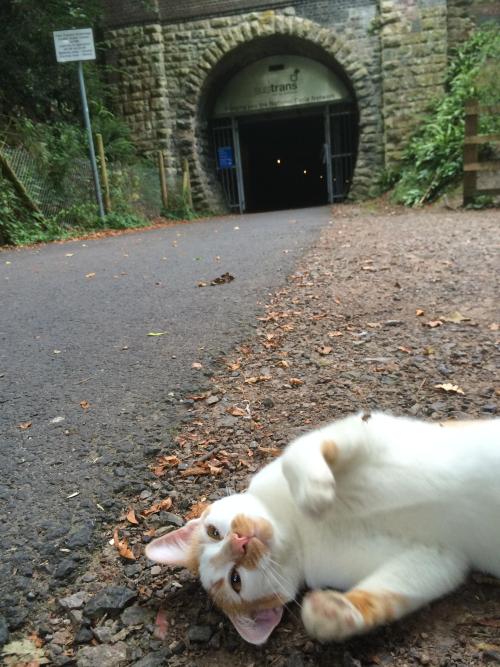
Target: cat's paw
330, 616
315, 493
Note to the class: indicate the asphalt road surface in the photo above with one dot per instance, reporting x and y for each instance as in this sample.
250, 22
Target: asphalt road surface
87, 396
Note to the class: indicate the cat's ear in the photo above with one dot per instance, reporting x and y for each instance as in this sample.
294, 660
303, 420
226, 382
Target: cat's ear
256, 628
174, 548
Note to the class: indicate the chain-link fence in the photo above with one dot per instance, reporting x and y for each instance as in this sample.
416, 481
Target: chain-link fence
64, 190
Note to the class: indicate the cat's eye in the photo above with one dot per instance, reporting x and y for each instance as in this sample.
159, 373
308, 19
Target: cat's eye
235, 580
213, 533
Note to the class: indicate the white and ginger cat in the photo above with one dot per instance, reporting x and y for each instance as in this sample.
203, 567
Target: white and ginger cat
391, 510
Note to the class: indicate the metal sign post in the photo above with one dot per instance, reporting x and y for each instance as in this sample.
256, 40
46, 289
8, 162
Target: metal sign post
77, 46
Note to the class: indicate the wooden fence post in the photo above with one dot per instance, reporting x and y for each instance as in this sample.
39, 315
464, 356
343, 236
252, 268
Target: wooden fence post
10, 174
470, 150
104, 173
186, 184
472, 142
163, 180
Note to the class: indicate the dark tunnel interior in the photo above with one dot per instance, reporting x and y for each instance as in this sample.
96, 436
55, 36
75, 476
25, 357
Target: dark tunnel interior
282, 162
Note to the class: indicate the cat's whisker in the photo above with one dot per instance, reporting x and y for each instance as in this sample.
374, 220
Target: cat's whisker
287, 605
271, 571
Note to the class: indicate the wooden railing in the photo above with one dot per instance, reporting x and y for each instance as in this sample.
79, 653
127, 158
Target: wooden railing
472, 142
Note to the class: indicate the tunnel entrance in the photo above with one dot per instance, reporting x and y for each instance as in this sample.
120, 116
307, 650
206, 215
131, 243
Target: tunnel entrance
285, 132
283, 162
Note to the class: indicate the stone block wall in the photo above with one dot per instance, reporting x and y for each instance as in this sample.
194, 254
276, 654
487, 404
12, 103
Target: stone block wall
414, 46
138, 64
393, 53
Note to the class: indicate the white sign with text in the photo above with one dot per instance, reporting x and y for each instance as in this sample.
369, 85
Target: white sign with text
74, 45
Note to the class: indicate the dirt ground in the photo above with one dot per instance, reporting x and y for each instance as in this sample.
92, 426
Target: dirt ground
393, 310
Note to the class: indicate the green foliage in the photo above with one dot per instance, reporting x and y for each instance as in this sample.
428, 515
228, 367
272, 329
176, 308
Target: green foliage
30, 78
178, 208
118, 220
19, 227
481, 201
434, 157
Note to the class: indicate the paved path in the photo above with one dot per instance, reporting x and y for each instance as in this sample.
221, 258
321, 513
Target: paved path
100, 394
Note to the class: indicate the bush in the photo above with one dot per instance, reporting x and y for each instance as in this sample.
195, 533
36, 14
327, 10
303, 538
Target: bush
433, 159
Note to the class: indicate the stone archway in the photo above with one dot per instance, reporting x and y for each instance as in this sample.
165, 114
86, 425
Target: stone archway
224, 57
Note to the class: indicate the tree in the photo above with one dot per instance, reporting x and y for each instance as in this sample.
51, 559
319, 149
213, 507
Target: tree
31, 81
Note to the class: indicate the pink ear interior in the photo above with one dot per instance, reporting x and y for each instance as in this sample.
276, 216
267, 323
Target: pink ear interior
256, 628
173, 548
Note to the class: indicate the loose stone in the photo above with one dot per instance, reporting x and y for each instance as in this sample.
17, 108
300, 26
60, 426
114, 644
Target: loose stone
109, 601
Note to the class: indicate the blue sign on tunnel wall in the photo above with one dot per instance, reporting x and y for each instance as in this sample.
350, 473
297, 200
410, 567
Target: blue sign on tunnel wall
225, 157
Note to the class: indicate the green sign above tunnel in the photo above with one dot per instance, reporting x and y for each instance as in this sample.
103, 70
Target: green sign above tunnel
277, 82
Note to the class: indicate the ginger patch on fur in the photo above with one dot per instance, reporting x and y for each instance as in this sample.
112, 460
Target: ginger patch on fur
376, 608
330, 452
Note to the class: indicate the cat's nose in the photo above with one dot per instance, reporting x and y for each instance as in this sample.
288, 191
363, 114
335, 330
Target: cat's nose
239, 542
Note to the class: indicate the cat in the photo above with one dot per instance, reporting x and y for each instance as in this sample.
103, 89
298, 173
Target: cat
394, 511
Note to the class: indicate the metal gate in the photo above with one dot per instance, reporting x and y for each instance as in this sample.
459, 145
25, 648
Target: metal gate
228, 162
341, 139
339, 154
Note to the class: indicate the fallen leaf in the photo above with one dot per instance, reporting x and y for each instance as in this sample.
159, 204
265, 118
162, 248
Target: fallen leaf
368, 268
37, 641
295, 382
324, 350
89, 275
283, 363
236, 412
419, 312
165, 462
201, 284
122, 546
428, 351
157, 333
198, 397
25, 425
196, 471
196, 510
258, 378
164, 504
85, 405
402, 348
455, 317
272, 451
447, 386
235, 366
434, 323
221, 280
494, 326
24, 652
196, 365
131, 518
335, 334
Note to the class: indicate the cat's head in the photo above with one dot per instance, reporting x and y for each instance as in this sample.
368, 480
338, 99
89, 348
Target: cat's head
230, 547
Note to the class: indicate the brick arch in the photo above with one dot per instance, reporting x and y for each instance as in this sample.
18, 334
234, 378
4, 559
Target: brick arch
191, 124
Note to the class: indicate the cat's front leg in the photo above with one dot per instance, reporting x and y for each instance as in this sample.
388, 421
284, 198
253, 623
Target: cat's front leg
402, 585
309, 473
311, 462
